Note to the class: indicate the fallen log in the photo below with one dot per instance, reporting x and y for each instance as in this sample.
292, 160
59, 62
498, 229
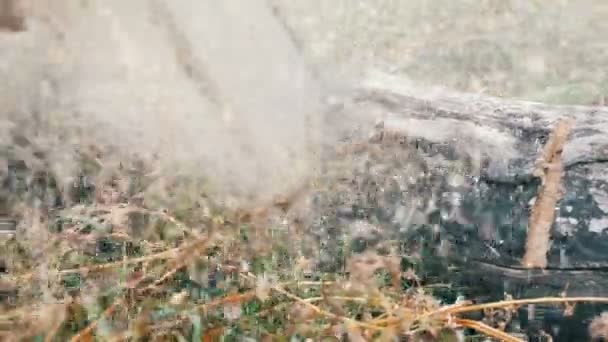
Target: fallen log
505, 137
511, 130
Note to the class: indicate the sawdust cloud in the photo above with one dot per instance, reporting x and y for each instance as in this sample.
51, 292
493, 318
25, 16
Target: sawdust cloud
117, 75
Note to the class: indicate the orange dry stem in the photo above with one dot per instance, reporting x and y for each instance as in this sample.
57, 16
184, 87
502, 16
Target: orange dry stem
549, 169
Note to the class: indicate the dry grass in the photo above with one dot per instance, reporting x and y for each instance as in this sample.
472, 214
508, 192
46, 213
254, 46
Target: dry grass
355, 304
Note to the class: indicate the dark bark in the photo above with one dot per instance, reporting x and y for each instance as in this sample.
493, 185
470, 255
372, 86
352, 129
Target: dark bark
505, 137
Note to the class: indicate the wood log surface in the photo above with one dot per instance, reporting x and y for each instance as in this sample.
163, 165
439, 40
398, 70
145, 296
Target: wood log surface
507, 136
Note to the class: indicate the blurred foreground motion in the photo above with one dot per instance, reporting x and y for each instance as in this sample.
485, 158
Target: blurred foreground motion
205, 87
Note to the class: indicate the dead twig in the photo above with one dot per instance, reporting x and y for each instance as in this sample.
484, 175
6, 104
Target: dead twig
317, 310
169, 254
518, 302
84, 334
549, 169
181, 260
486, 330
452, 310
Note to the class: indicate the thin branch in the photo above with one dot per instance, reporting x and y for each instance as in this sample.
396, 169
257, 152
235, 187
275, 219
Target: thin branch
487, 330
101, 267
517, 302
316, 309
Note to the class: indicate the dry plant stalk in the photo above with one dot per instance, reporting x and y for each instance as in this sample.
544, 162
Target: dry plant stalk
549, 168
487, 330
